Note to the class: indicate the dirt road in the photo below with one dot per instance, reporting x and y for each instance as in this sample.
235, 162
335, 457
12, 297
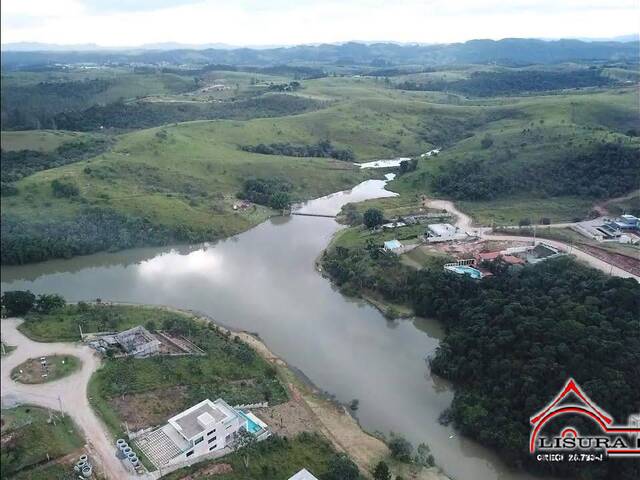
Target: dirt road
68, 394
579, 254
464, 222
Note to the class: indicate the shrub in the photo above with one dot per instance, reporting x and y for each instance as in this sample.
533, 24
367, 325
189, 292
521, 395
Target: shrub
64, 188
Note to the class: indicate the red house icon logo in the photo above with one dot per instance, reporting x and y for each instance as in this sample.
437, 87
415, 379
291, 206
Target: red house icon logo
615, 440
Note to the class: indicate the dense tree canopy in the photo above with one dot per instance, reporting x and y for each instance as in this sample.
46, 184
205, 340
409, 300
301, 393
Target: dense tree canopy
320, 149
514, 339
608, 170
509, 82
273, 192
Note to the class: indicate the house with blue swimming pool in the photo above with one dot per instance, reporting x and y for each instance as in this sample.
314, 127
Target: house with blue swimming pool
206, 430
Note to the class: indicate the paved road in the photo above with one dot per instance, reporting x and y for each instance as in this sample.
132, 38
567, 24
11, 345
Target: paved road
464, 222
71, 391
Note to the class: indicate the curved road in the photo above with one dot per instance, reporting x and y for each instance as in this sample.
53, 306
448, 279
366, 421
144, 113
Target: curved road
464, 222
69, 391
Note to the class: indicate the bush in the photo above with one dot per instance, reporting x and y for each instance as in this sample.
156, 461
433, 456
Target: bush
18, 302
373, 217
381, 472
401, 448
64, 188
47, 303
341, 467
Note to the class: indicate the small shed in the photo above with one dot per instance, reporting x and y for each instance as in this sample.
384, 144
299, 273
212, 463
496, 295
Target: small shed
392, 245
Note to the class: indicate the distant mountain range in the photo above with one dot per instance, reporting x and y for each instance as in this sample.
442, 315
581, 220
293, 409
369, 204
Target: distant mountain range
510, 51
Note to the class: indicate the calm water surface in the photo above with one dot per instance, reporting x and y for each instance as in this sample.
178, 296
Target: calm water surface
264, 281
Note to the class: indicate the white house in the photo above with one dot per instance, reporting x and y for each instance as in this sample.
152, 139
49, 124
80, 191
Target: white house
444, 232
204, 429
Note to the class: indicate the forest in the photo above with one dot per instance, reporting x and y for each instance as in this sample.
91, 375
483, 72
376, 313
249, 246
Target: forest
17, 164
94, 229
607, 170
511, 82
323, 148
123, 115
512, 340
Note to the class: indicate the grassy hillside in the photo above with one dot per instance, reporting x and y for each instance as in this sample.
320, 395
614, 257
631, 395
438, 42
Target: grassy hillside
522, 166
39, 140
179, 182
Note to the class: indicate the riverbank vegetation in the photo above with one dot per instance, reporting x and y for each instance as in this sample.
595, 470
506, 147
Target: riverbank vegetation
548, 322
321, 149
34, 440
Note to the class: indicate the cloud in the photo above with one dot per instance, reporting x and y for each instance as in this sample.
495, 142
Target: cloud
288, 22
112, 6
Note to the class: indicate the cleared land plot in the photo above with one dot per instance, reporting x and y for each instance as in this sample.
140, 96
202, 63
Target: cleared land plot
30, 442
145, 392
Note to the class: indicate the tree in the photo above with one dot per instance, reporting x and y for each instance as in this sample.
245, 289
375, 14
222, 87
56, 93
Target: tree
46, 303
423, 456
486, 141
401, 448
341, 467
381, 472
373, 217
279, 200
18, 302
246, 442
64, 188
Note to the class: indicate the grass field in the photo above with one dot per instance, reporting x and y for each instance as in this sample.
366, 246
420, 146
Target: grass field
58, 366
358, 236
40, 140
145, 392
185, 177
28, 438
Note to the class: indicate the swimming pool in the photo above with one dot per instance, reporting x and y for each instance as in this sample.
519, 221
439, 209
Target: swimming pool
465, 270
252, 426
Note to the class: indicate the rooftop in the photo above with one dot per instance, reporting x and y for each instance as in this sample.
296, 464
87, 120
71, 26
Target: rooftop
488, 255
196, 419
392, 244
511, 260
442, 229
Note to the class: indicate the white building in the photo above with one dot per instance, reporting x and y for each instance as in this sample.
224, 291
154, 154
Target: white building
303, 474
204, 429
392, 246
444, 232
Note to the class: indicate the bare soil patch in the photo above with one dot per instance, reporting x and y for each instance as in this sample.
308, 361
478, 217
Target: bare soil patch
142, 410
212, 470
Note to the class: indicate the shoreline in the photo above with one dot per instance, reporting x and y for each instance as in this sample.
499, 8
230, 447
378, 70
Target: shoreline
332, 419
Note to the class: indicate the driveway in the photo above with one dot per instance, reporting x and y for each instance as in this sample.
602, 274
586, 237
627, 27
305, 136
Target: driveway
68, 393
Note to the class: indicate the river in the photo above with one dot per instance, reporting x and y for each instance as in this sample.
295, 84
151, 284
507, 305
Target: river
264, 281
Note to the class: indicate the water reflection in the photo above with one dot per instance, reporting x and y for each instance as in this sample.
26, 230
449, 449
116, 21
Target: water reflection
264, 281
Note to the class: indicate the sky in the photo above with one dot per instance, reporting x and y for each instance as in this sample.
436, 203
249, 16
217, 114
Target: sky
292, 22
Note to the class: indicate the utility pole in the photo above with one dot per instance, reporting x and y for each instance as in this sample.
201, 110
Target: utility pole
80, 327
60, 403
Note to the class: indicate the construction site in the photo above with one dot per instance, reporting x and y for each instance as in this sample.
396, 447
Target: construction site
139, 342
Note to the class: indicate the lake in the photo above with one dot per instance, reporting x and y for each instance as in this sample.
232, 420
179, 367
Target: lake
264, 281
